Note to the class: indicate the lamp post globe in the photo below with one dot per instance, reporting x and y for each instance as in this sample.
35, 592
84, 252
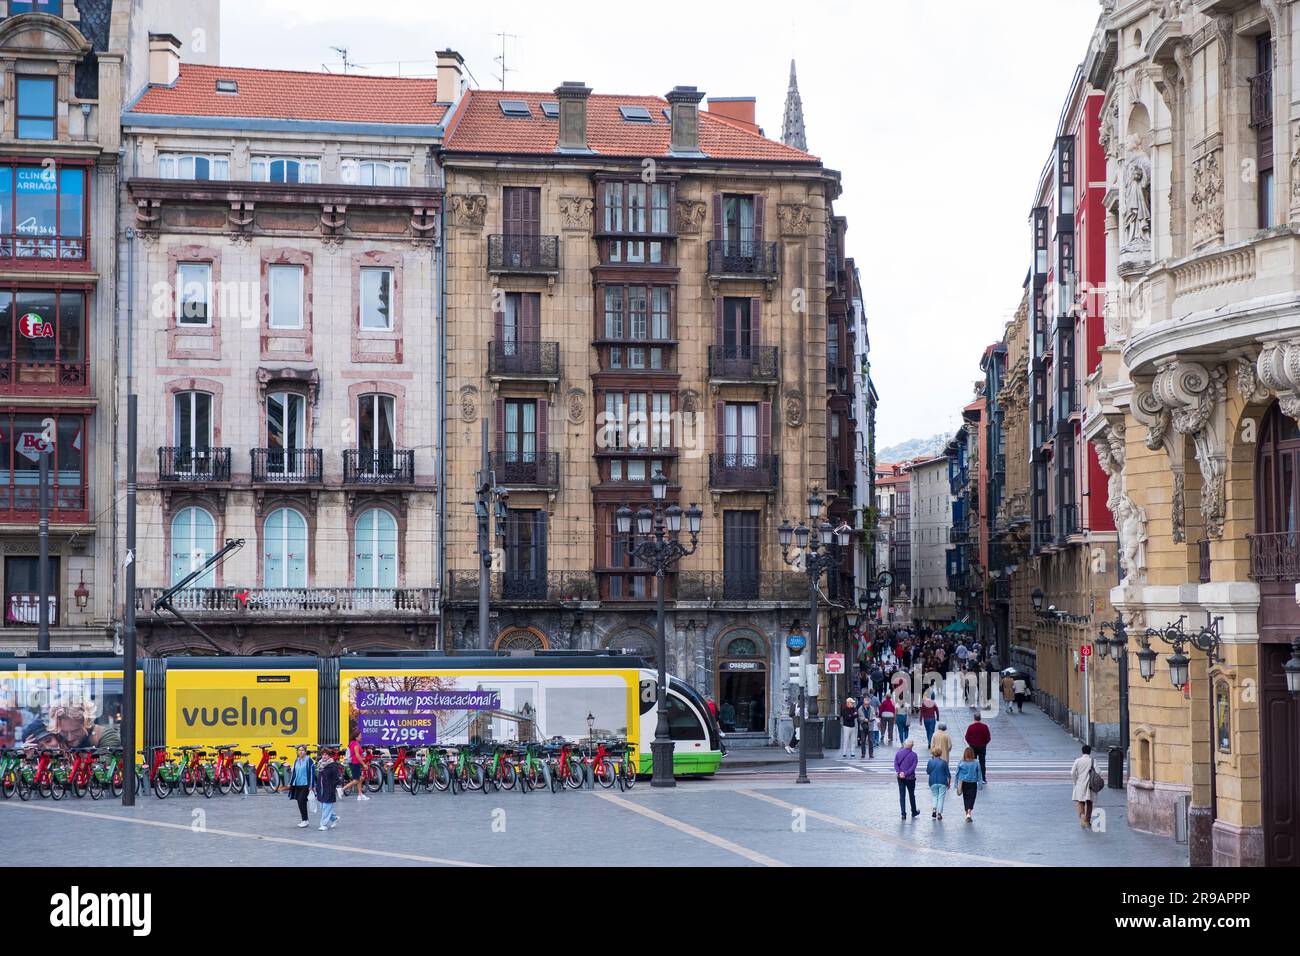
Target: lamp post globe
784, 534
623, 520
694, 515
814, 506
1036, 598
673, 517
1178, 668
659, 486
1147, 663
801, 536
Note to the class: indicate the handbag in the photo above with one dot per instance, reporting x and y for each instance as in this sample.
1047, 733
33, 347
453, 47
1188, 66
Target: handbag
1095, 782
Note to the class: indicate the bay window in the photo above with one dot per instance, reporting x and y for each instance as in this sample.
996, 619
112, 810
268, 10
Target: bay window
630, 210
23, 438
636, 317
43, 213
43, 341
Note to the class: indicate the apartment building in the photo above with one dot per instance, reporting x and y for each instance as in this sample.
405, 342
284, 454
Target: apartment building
933, 524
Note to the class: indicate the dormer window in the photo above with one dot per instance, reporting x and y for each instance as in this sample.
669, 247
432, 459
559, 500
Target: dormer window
270, 169
37, 104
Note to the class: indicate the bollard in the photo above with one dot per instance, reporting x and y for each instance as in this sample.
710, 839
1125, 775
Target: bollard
588, 777
388, 778
250, 780
1115, 768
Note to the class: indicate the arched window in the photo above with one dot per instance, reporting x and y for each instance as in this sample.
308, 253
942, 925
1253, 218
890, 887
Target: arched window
522, 639
742, 647
284, 550
636, 644
194, 536
376, 550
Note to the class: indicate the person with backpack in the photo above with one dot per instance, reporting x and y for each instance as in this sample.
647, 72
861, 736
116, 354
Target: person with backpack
1087, 784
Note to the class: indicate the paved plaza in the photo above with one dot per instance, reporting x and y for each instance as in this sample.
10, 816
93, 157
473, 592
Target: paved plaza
752, 813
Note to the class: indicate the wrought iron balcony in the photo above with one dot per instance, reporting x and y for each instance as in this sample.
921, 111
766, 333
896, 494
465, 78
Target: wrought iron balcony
527, 471
1261, 99
287, 466
23, 609
784, 587
743, 472
220, 603
742, 257
555, 587
390, 466
193, 465
524, 359
757, 363
1275, 557
524, 255
61, 377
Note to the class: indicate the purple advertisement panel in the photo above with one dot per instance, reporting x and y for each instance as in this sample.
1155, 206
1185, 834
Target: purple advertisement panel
390, 729
406, 717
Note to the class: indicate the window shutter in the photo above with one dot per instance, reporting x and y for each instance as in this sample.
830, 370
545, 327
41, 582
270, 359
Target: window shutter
717, 216
543, 427
719, 335
764, 429
721, 439
759, 203
539, 543
499, 330
756, 321
530, 323
501, 428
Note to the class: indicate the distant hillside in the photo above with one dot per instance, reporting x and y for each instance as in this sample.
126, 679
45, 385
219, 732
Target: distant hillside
916, 448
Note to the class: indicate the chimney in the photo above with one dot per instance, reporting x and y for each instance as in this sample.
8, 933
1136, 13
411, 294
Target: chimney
164, 59
572, 96
449, 76
741, 109
685, 104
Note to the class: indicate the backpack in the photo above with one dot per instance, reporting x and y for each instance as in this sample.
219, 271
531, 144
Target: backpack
1096, 783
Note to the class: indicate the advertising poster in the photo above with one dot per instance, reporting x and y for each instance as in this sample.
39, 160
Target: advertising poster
483, 706
243, 707
60, 711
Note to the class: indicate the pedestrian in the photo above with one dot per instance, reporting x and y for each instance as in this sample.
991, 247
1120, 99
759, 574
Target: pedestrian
942, 743
302, 778
1021, 690
1008, 691
849, 722
794, 729
929, 717
940, 779
355, 761
900, 720
905, 767
978, 736
1081, 774
968, 775
866, 712
888, 711
328, 779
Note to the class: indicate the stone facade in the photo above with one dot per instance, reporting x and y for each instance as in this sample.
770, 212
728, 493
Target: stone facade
932, 602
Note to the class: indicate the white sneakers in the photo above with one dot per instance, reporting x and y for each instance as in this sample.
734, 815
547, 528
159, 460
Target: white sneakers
333, 824
361, 796
322, 827
302, 824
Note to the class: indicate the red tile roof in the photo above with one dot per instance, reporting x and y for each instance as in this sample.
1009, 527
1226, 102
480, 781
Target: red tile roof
292, 95
479, 126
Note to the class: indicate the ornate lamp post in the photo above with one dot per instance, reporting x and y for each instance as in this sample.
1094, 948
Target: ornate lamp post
1117, 646
1207, 640
654, 543
815, 562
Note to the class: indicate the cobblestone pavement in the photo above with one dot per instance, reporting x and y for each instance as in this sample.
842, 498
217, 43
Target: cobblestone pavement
757, 816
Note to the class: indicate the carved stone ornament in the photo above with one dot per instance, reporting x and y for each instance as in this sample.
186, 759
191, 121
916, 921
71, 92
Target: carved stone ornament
575, 212
794, 408
1130, 520
690, 216
1150, 413
690, 401
467, 211
1279, 372
468, 404
1207, 199
1249, 386
576, 403
1136, 190
1196, 399
795, 218
1295, 169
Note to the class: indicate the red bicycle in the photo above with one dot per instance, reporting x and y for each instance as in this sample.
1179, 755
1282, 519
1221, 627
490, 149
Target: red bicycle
223, 774
372, 777
271, 771
602, 766
404, 770
566, 767
43, 779
82, 770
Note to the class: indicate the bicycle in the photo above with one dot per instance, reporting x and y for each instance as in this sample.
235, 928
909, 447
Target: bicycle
626, 768
534, 772
43, 779
106, 772
223, 774
271, 771
602, 766
466, 772
566, 767
11, 767
372, 778
499, 770
82, 770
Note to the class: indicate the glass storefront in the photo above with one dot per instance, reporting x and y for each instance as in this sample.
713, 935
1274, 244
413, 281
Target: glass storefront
43, 213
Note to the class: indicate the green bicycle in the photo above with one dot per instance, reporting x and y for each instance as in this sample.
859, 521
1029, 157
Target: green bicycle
534, 772
466, 771
499, 770
106, 775
11, 769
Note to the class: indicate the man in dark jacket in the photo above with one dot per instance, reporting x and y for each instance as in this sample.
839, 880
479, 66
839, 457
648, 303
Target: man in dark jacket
978, 736
329, 777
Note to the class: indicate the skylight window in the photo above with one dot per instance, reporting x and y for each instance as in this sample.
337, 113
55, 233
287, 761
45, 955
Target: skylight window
551, 109
516, 108
635, 114
227, 86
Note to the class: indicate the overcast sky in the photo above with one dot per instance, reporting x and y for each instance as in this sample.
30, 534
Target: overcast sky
939, 113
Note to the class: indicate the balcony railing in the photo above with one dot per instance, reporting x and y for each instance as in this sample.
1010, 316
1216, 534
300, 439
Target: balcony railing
556, 587
293, 602
1203, 554
743, 471
193, 465
756, 363
389, 466
48, 252
535, 471
20, 502
67, 377
287, 466
527, 255
787, 587
744, 257
524, 359
1275, 557
1261, 99
24, 609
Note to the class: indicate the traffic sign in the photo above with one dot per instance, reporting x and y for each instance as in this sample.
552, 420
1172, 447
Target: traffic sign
796, 643
1087, 650
835, 663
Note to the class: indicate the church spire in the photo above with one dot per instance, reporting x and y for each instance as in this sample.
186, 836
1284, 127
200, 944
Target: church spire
792, 132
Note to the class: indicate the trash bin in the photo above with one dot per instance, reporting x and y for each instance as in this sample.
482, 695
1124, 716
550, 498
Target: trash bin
815, 730
831, 735
1115, 768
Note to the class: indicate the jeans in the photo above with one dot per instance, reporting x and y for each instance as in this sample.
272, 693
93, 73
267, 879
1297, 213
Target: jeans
875, 738
327, 814
929, 732
907, 787
887, 725
938, 791
901, 721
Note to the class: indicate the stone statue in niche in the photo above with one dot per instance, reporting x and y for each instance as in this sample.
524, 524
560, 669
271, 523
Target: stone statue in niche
1132, 524
1137, 203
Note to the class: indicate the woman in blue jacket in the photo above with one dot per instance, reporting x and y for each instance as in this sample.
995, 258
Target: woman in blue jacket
968, 780
302, 778
940, 779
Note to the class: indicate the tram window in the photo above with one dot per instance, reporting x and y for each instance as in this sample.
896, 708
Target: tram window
682, 722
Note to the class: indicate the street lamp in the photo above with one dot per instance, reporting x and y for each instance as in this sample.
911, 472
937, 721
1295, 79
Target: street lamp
656, 545
1292, 669
1118, 647
1207, 640
815, 562
1036, 598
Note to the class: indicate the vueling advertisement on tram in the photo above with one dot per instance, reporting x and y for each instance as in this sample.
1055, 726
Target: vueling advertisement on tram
392, 707
61, 709
244, 706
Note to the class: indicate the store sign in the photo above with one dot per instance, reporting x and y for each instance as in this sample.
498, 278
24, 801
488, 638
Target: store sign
32, 326
741, 665
31, 445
